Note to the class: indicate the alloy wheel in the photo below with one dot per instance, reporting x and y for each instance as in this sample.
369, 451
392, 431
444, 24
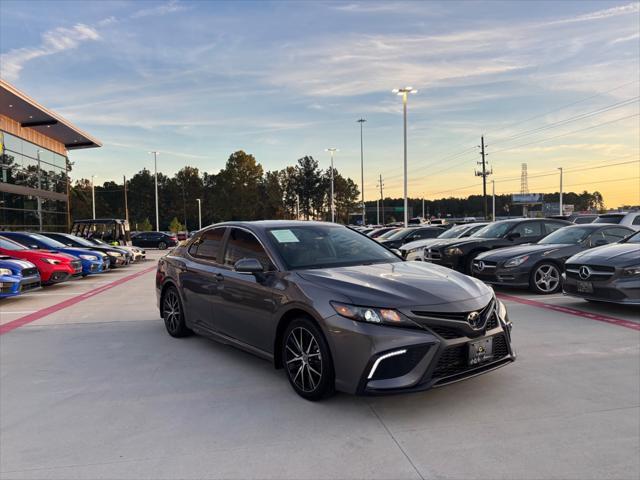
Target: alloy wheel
547, 278
172, 312
303, 359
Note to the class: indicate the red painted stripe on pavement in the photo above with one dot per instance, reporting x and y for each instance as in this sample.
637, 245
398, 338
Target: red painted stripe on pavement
32, 317
573, 311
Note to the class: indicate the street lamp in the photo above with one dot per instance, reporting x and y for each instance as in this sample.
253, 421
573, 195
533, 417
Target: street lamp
404, 92
364, 212
199, 214
561, 209
332, 151
93, 196
155, 169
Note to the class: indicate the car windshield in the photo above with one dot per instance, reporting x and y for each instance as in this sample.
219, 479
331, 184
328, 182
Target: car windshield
400, 234
609, 218
387, 234
635, 238
454, 232
11, 245
322, 246
49, 242
80, 241
567, 235
494, 230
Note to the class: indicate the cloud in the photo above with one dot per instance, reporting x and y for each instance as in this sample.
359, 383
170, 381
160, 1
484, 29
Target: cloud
601, 14
170, 7
53, 42
633, 36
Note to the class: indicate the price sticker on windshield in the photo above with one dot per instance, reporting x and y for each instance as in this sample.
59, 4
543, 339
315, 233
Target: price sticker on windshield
285, 236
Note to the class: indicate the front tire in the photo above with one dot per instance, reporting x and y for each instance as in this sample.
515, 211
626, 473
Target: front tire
545, 279
173, 314
307, 360
162, 246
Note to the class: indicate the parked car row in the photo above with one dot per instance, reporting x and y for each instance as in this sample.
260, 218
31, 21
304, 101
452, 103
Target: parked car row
542, 255
29, 260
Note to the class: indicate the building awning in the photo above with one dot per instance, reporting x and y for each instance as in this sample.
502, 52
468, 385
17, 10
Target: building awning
22, 108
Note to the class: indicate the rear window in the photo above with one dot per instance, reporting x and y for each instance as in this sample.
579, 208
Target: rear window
609, 218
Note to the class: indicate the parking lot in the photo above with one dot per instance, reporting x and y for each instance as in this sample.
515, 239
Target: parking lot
91, 386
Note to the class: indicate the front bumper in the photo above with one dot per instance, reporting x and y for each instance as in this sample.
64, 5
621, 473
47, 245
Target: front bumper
367, 362
90, 267
438, 257
497, 275
612, 290
9, 286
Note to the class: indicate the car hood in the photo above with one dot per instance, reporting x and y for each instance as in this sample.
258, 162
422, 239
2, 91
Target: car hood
421, 243
9, 262
81, 251
450, 242
615, 255
403, 284
528, 249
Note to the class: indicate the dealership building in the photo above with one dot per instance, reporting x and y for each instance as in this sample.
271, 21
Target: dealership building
34, 176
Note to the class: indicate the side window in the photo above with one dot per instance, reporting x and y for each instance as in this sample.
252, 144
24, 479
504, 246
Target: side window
636, 221
207, 245
243, 244
528, 229
552, 226
613, 235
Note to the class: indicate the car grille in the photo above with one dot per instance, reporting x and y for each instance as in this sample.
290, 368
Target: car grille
453, 360
6, 289
487, 267
458, 316
599, 273
432, 254
24, 287
29, 272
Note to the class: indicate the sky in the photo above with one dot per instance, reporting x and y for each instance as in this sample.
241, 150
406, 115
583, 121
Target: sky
550, 84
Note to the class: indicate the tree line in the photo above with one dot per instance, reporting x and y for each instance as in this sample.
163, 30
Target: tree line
242, 190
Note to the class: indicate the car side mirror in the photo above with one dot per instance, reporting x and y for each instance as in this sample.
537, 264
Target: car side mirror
513, 236
33, 247
248, 265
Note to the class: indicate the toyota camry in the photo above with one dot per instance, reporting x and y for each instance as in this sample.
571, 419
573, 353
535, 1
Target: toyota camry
333, 308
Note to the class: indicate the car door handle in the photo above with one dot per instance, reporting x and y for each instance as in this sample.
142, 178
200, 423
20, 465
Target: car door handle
219, 277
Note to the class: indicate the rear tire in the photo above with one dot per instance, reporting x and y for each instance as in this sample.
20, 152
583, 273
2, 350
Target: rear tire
173, 314
545, 279
162, 246
306, 359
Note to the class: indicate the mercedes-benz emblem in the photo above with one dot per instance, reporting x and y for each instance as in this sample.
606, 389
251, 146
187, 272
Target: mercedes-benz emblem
584, 272
480, 267
474, 319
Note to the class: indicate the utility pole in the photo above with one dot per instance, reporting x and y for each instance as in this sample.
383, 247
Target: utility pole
126, 205
199, 214
332, 151
364, 212
422, 207
484, 174
184, 207
561, 209
155, 168
93, 197
378, 210
380, 184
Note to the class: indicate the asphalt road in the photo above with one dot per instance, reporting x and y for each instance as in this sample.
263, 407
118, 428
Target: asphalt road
91, 386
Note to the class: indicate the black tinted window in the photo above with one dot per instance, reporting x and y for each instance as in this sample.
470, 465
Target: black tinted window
553, 226
243, 244
207, 246
636, 221
613, 235
528, 229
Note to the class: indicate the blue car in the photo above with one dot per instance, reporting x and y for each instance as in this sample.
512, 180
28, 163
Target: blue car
92, 261
17, 276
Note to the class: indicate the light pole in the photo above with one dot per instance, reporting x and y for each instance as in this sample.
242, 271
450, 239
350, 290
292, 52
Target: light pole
423, 208
199, 214
493, 191
155, 169
561, 209
364, 212
404, 92
332, 151
93, 197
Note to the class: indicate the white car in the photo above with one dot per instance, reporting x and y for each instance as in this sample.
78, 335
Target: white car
626, 219
415, 250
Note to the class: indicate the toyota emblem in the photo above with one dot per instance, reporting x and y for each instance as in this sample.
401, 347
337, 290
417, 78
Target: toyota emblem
584, 272
474, 319
480, 268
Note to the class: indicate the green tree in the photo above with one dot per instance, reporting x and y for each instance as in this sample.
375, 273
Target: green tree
237, 194
175, 226
145, 225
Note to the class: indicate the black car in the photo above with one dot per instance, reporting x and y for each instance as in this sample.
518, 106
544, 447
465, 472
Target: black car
332, 307
410, 234
606, 274
118, 257
539, 266
459, 253
160, 240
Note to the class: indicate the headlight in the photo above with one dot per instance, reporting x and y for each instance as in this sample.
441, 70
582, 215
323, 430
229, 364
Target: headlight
51, 261
5, 271
370, 315
415, 250
115, 254
631, 271
502, 310
516, 261
88, 257
453, 251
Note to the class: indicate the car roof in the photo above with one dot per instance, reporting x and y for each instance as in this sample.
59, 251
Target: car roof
268, 224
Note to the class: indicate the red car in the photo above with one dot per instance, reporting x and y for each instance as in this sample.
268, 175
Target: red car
53, 267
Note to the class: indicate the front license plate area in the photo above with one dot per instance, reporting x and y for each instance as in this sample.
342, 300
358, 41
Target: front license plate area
585, 287
480, 351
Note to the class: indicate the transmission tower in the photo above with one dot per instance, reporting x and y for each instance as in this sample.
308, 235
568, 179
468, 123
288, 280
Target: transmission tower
524, 182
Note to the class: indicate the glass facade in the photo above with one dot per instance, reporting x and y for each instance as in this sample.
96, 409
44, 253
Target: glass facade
33, 186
